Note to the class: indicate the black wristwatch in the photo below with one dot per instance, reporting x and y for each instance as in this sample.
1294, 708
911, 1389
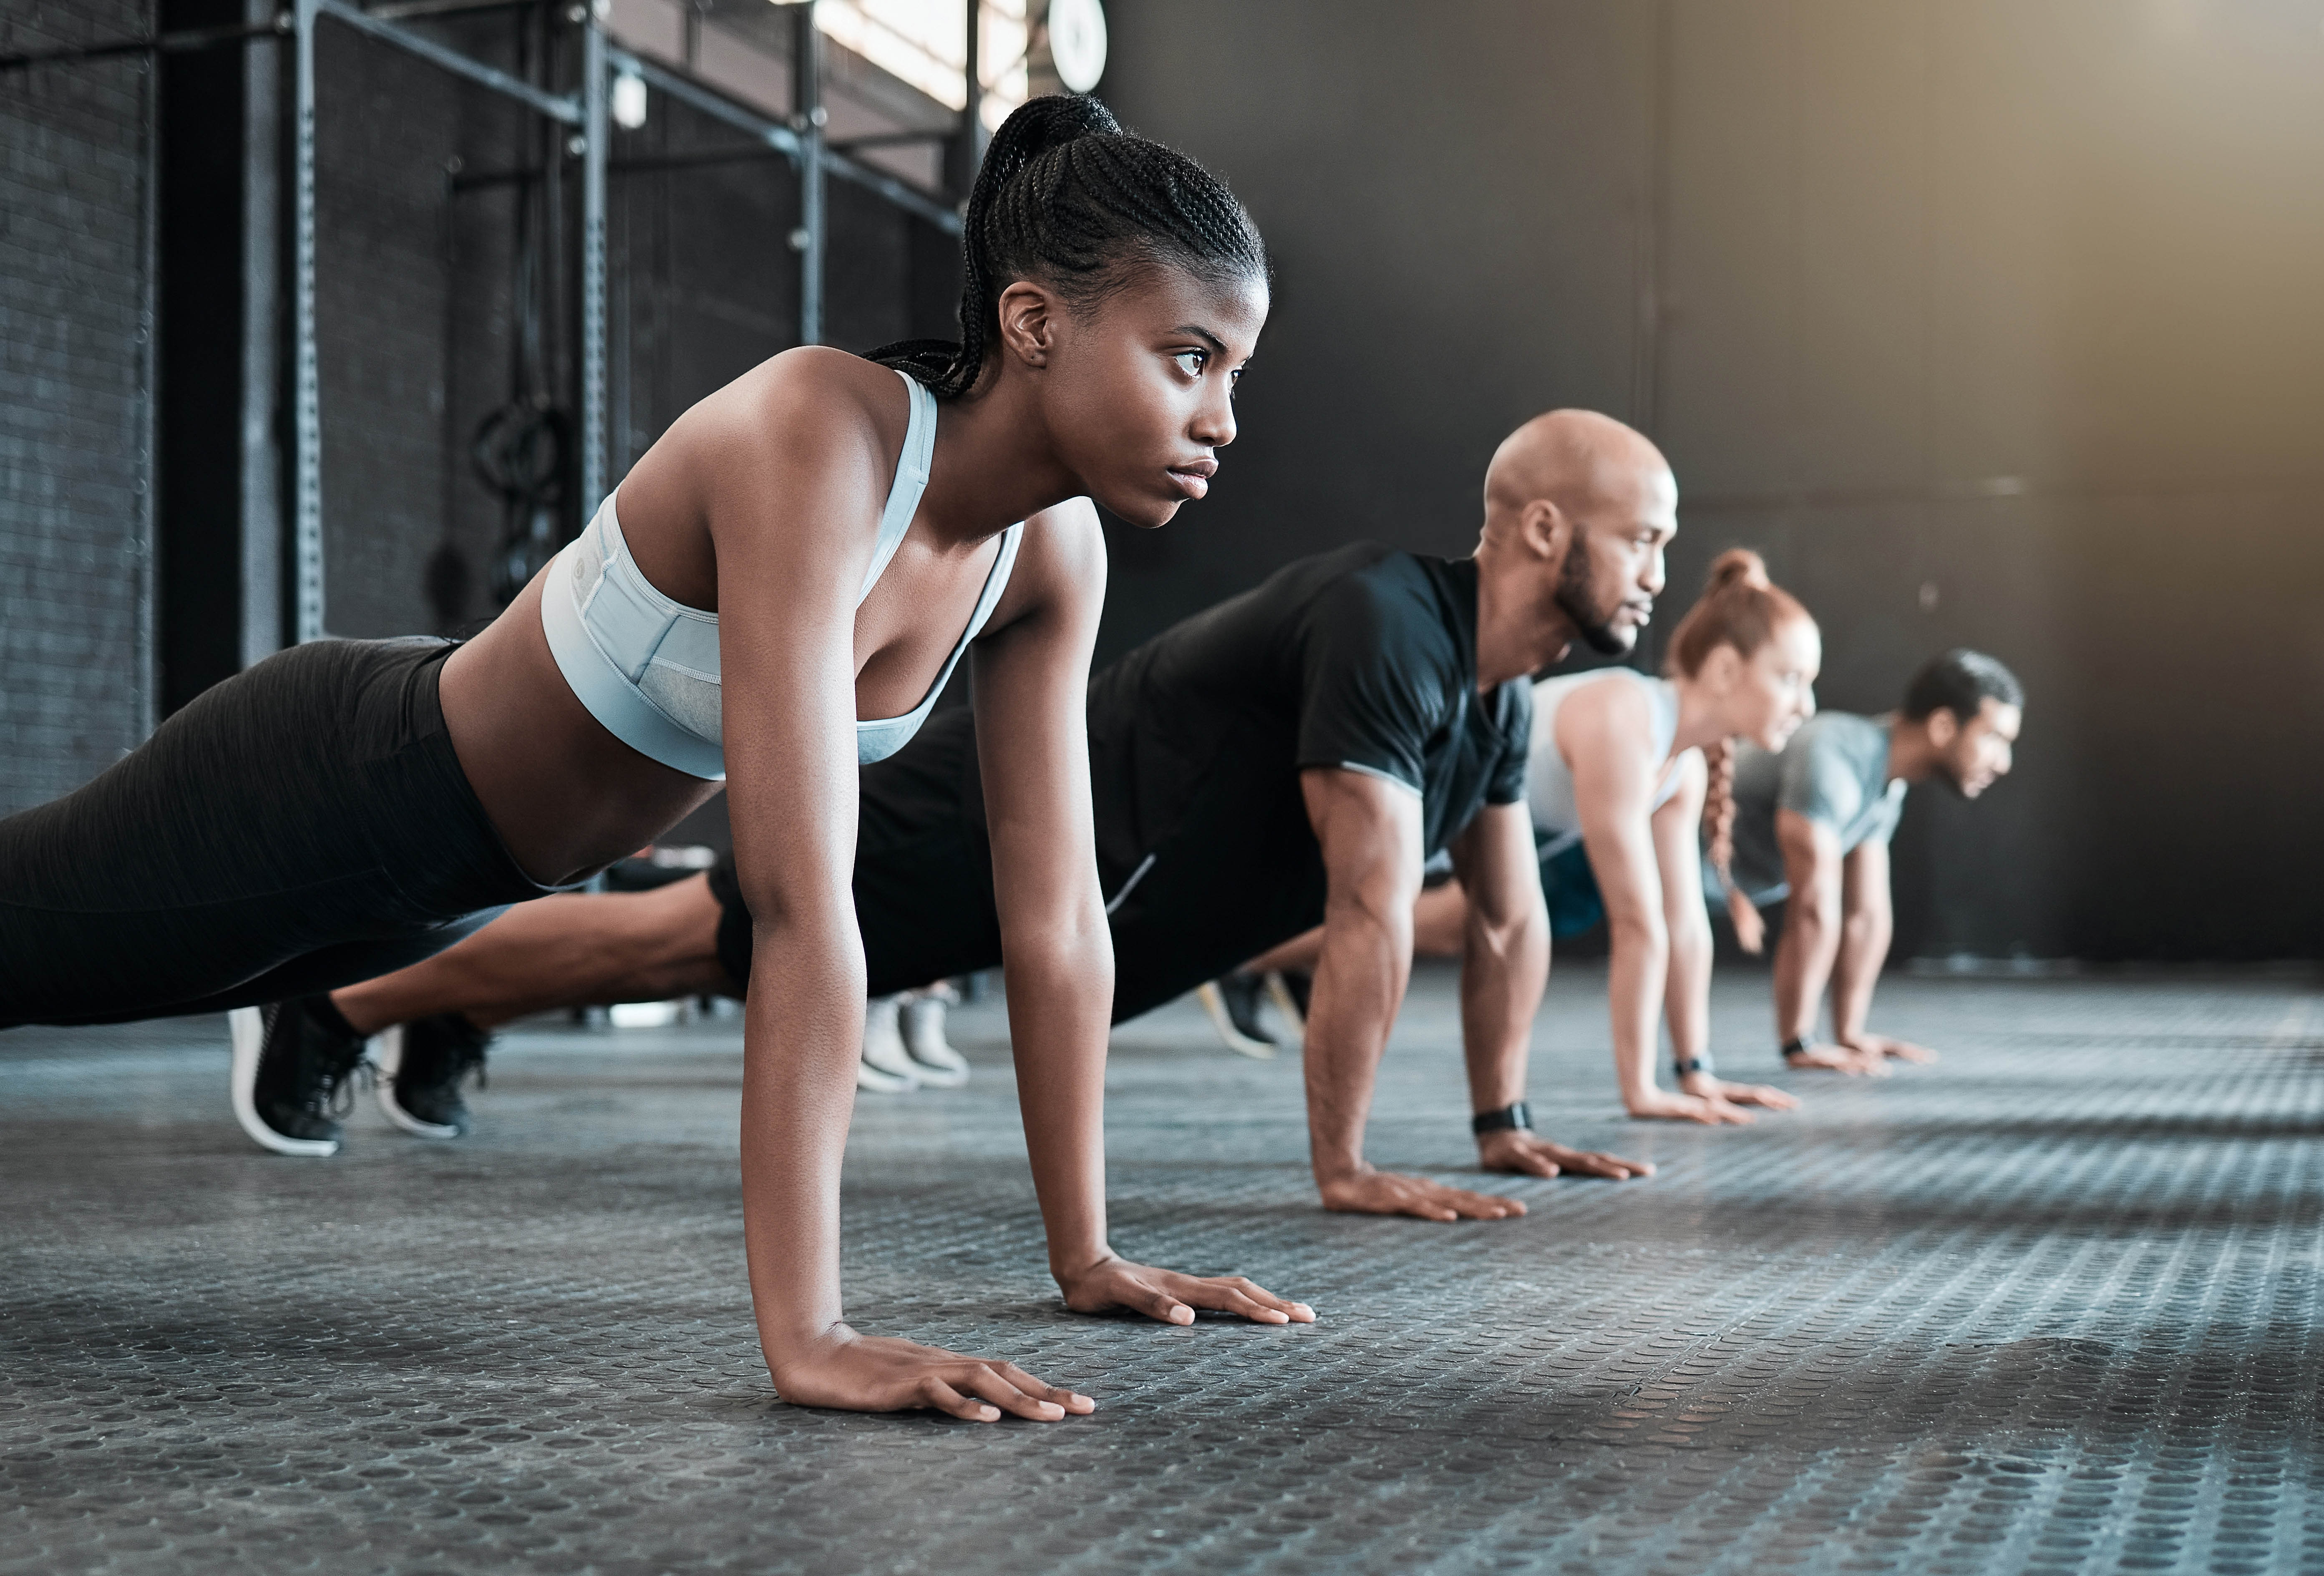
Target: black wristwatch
1508, 1116
1691, 1064
1794, 1046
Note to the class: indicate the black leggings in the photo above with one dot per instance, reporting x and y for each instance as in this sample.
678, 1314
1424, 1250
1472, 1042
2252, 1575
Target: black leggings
301, 826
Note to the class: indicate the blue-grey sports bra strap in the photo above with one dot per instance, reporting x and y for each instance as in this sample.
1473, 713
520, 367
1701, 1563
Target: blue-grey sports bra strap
912, 481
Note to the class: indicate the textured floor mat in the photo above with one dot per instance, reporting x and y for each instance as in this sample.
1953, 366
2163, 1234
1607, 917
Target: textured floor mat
2050, 1304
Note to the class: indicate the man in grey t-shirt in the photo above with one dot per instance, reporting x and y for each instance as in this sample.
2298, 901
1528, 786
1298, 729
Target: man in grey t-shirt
1813, 825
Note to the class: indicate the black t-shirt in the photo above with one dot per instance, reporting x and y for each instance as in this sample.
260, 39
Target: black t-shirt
1363, 658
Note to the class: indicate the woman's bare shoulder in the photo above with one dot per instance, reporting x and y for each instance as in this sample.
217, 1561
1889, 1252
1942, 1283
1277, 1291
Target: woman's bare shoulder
1061, 562
1068, 535
805, 400
1612, 707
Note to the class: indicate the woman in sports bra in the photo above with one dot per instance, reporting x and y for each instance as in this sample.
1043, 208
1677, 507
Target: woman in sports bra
774, 594
1620, 770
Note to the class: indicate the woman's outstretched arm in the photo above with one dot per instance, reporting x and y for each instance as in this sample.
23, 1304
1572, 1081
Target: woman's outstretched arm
1605, 732
1686, 995
1032, 680
792, 493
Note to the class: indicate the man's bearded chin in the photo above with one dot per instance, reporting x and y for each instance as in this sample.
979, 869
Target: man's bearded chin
1594, 624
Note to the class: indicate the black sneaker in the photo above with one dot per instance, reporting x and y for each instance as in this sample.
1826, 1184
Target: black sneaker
1233, 1002
1240, 992
291, 1075
423, 1065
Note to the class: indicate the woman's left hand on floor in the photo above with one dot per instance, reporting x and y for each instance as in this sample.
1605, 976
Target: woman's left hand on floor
1719, 1091
1115, 1283
1877, 1048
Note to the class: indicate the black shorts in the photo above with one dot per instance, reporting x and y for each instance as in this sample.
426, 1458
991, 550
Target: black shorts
301, 826
1220, 888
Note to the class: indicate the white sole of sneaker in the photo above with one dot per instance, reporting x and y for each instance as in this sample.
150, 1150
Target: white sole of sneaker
247, 1025
1288, 1005
1240, 1043
933, 1061
879, 1080
387, 1047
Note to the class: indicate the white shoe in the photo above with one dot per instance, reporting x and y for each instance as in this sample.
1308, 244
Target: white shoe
933, 1061
885, 1066
1288, 1005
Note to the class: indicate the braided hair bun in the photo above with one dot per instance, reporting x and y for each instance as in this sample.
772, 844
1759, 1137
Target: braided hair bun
1067, 197
1737, 566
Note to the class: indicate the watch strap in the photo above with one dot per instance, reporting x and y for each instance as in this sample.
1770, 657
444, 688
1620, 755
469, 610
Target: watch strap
1508, 1116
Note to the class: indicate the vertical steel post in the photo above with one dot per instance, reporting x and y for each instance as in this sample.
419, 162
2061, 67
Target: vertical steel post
307, 415
808, 119
262, 366
594, 135
971, 111
966, 148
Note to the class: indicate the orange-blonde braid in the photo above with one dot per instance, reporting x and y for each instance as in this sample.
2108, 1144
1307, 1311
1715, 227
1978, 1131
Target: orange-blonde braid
1718, 827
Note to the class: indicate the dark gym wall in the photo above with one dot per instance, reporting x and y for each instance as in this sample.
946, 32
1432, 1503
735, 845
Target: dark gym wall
76, 400
1989, 323
418, 304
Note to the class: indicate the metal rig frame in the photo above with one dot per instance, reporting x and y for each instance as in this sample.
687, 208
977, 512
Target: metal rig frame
801, 141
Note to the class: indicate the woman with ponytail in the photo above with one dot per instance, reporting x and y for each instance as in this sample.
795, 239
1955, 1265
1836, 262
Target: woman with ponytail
1624, 771
793, 572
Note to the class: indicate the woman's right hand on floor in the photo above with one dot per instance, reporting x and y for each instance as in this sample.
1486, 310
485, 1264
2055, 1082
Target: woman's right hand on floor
876, 1373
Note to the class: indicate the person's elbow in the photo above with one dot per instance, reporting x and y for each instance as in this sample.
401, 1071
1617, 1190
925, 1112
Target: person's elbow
1072, 939
1689, 928
1639, 935
806, 939
1812, 910
1868, 924
1506, 933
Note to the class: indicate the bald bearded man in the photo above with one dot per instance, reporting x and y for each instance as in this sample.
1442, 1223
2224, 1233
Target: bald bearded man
1295, 753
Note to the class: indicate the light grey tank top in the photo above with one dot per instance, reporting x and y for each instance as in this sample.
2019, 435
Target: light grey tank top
647, 667
1549, 781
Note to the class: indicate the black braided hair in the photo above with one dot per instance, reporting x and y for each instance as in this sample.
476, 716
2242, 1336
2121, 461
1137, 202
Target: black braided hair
1068, 198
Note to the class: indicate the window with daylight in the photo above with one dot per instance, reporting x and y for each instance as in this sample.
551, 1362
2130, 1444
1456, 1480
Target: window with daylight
925, 43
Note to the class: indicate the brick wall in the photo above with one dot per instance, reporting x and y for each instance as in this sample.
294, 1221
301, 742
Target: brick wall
76, 400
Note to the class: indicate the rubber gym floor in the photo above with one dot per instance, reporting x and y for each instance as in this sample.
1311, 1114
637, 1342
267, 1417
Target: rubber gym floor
2051, 1304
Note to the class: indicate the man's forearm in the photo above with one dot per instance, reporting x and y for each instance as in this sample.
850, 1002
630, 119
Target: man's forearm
1502, 971
1360, 983
1803, 960
1060, 1000
1863, 950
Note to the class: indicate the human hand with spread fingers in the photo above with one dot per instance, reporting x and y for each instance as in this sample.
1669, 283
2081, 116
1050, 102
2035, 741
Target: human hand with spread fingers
1114, 1284
1877, 1049
1826, 1057
1519, 1152
1366, 1191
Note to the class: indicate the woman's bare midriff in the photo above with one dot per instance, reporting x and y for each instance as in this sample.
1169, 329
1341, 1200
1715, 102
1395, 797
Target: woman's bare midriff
568, 797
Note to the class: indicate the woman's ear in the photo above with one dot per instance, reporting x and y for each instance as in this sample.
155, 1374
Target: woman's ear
1720, 669
1029, 322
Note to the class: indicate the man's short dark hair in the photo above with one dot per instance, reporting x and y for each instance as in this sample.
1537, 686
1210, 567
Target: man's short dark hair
1961, 681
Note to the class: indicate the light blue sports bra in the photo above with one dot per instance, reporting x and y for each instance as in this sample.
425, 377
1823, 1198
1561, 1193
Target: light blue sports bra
647, 667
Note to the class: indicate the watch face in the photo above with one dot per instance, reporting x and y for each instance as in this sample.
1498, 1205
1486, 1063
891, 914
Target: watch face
1077, 42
